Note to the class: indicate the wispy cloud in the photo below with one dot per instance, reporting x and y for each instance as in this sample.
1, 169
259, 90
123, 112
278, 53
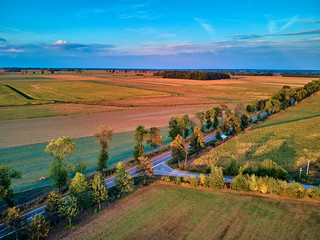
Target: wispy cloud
252, 36
205, 25
152, 32
309, 21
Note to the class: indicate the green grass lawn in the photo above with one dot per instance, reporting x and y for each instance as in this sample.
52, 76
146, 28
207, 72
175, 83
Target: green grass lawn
290, 139
34, 162
174, 212
73, 91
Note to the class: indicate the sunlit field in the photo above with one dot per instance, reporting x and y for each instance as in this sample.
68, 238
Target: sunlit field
173, 212
290, 138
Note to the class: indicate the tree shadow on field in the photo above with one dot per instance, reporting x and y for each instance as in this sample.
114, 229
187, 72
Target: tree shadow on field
284, 155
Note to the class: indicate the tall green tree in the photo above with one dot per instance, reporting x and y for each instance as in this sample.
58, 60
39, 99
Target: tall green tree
216, 179
6, 176
99, 192
154, 137
201, 115
60, 149
79, 188
103, 136
140, 135
210, 117
13, 220
197, 141
51, 211
144, 168
38, 228
123, 179
244, 120
69, 209
179, 149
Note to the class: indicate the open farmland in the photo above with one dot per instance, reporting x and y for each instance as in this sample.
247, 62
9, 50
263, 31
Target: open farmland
173, 212
34, 162
289, 138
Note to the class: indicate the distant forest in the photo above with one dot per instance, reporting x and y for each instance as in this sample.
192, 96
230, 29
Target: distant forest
300, 75
196, 75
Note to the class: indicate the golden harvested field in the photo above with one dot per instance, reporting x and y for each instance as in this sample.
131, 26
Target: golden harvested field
174, 212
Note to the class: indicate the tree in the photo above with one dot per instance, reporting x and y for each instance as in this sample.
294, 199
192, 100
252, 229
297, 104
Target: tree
178, 149
216, 179
218, 135
139, 136
69, 209
79, 167
103, 137
53, 205
239, 110
210, 117
217, 116
176, 127
79, 188
187, 124
6, 176
99, 192
59, 148
197, 141
201, 115
38, 228
123, 179
231, 126
154, 137
13, 219
244, 121
144, 168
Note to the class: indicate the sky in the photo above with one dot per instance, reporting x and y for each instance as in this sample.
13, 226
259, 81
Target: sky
228, 34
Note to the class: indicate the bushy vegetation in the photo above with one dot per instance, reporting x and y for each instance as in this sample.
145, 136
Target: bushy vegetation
196, 75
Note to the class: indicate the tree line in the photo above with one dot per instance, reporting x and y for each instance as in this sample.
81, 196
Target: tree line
196, 75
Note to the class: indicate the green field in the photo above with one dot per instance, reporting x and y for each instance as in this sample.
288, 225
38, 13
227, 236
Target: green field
69, 91
173, 212
34, 162
289, 138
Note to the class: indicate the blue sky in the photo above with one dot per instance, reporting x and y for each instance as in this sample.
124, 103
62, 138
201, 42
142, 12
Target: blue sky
160, 34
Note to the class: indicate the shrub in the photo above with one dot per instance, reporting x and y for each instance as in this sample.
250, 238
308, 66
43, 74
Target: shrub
216, 179
203, 180
314, 192
240, 182
167, 179
178, 180
295, 190
252, 181
194, 181
232, 169
186, 179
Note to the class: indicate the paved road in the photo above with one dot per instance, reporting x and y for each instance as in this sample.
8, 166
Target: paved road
160, 168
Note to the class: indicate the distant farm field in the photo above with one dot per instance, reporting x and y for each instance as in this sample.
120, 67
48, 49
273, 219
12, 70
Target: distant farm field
34, 162
77, 91
127, 90
290, 139
173, 212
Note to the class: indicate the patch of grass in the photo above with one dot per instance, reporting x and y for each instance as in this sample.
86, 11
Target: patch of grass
34, 162
173, 212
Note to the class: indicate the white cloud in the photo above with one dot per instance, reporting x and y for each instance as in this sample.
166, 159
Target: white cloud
61, 42
206, 26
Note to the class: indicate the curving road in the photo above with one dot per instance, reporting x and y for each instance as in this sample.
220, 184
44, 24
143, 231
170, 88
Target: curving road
160, 168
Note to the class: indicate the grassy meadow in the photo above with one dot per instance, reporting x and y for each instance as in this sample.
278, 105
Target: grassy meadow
174, 212
289, 138
34, 162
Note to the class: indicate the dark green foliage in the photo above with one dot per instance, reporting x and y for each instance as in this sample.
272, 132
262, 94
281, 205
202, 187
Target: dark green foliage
53, 205
232, 169
196, 75
218, 135
197, 141
58, 174
267, 168
102, 160
6, 175
138, 150
216, 179
240, 183
244, 121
